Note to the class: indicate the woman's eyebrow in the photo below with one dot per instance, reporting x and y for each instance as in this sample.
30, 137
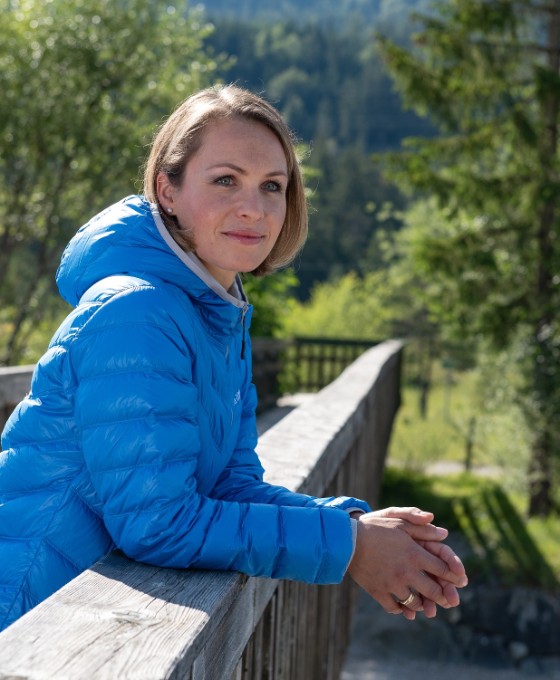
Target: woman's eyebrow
242, 171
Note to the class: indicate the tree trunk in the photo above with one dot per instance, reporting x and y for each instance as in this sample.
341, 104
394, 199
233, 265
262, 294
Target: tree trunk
540, 486
544, 374
425, 377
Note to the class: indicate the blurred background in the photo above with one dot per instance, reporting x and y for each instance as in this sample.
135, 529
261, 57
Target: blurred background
428, 136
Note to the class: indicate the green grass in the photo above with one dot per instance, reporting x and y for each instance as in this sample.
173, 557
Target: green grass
456, 413
442, 434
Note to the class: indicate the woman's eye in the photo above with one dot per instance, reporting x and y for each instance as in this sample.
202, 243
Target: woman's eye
226, 181
272, 186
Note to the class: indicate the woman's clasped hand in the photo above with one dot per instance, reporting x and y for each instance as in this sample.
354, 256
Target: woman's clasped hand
401, 562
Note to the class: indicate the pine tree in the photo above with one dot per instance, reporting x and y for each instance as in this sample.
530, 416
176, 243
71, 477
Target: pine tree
488, 73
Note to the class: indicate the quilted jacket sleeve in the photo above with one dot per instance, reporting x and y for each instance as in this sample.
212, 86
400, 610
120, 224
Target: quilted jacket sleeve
136, 408
242, 479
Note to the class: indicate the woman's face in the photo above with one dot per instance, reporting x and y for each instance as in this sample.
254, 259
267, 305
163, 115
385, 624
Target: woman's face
232, 199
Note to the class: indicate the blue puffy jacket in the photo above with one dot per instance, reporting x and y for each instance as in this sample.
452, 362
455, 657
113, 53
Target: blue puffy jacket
139, 431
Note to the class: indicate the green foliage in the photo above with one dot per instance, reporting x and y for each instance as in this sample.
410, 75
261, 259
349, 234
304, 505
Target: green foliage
504, 545
389, 13
386, 302
500, 539
488, 74
482, 246
351, 203
38, 331
270, 296
345, 308
327, 80
434, 492
83, 85
331, 86
469, 281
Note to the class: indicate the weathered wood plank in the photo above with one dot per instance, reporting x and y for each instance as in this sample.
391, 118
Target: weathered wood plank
14, 383
119, 619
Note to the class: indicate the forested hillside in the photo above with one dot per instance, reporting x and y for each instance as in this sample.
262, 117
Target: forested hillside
322, 69
380, 12
329, 82
318, 61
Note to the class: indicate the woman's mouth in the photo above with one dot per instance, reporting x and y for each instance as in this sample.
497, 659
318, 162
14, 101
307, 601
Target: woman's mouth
245, 236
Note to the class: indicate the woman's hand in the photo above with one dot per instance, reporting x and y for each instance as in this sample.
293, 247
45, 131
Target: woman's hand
398, 552
444, 552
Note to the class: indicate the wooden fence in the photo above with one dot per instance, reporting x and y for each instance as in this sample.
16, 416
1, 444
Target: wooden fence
122, 619
312, 363
302, 364
269, 355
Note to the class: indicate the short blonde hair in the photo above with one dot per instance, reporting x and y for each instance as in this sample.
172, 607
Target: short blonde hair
180, 137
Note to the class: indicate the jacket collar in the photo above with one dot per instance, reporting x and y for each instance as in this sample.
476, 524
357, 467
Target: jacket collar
130, 238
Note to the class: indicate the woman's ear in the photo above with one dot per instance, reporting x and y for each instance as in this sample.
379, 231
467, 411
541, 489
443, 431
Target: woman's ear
165, 191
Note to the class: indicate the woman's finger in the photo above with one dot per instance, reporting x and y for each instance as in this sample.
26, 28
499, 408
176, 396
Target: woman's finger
445, 553
425, 533
430, 609
450, 593
409, 614
410, 601
388, 602
410, 514
432, 574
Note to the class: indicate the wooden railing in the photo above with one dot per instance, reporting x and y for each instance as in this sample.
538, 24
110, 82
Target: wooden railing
313, 363
122, 619
302, 364
14, 385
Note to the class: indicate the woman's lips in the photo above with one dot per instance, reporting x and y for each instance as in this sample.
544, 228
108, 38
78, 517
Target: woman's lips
245, 237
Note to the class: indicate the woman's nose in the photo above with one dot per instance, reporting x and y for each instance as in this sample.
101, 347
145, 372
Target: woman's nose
251, 205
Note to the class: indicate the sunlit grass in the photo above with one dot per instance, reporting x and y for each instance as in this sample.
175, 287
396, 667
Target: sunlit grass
459, 428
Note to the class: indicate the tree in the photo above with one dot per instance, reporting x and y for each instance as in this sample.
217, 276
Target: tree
271, 297
83, 83
488, 73
391, 13
387, 301
350, 202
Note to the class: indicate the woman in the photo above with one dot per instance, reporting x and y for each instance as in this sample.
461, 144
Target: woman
139, 430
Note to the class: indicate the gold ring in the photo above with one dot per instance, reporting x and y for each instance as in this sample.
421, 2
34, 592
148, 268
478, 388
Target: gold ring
409, 600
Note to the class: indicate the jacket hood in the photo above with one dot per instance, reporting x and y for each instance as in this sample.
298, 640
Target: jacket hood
130, 238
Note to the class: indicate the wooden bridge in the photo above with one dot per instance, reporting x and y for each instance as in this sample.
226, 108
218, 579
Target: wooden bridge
122, 619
